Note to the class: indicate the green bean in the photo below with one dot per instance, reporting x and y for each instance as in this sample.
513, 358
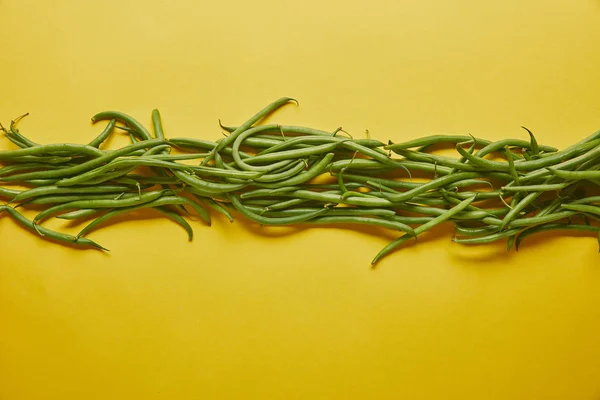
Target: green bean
449, 162
575, 174
434, 139
487, 238
266, 168
520, 206
104, 134
387, 182
434, 184
535, 151
468, 231
285, 174
157, 124
125, 165
268, 192
164, 201
246, 125
360, 164
103, 203
261, 202
582, 208
411, 220
128, 120
489, 195
339, 211
422, 228
289, 154
13, 139
593, 154
18, 168
14, 132
55, 190
587, 200
9, 193
215, 206
192, 143
65, 198
156, 180
551, 227
51, 148
555, 158
298, 141
305, 176
117, 175
206, 186
48, 233
537, 188
82, 213
524, 222
363, 221
86, 166
496, 146
274, 221
286, 204
174, 216
52, 160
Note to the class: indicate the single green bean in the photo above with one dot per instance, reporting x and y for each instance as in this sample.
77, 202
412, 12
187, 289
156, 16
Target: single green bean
83, 213
296, 219
145, 197
56, 190
582, 208
305, 176
48, 233
164, 201
434, 139
246, 125
552, 227
126, 119
487, 238
104, 134
422, 228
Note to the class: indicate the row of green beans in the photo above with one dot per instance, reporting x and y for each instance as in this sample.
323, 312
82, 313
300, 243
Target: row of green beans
294, 175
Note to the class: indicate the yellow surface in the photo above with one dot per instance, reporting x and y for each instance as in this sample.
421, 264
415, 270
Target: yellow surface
243, 312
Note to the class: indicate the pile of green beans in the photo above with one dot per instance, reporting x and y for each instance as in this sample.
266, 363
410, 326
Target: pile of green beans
294, 175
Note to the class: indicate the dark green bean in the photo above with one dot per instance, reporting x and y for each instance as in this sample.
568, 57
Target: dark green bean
14, 132
552, 227
83, 213
9, 193
487, 238
128, 120
246, 125
124, 165
86, 166
553, 159
55, 190
434, 139
582, 208
304, 176
104, 134
48, 233
164, 201
422, 228
296, 219
575, 174
145, 197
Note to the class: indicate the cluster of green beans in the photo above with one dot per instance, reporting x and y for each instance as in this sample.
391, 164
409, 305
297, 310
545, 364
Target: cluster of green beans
293, 175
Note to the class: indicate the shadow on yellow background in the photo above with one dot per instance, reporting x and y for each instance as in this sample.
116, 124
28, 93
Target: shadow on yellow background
245, 312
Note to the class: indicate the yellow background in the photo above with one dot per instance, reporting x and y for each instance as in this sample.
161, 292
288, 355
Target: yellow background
243, 312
